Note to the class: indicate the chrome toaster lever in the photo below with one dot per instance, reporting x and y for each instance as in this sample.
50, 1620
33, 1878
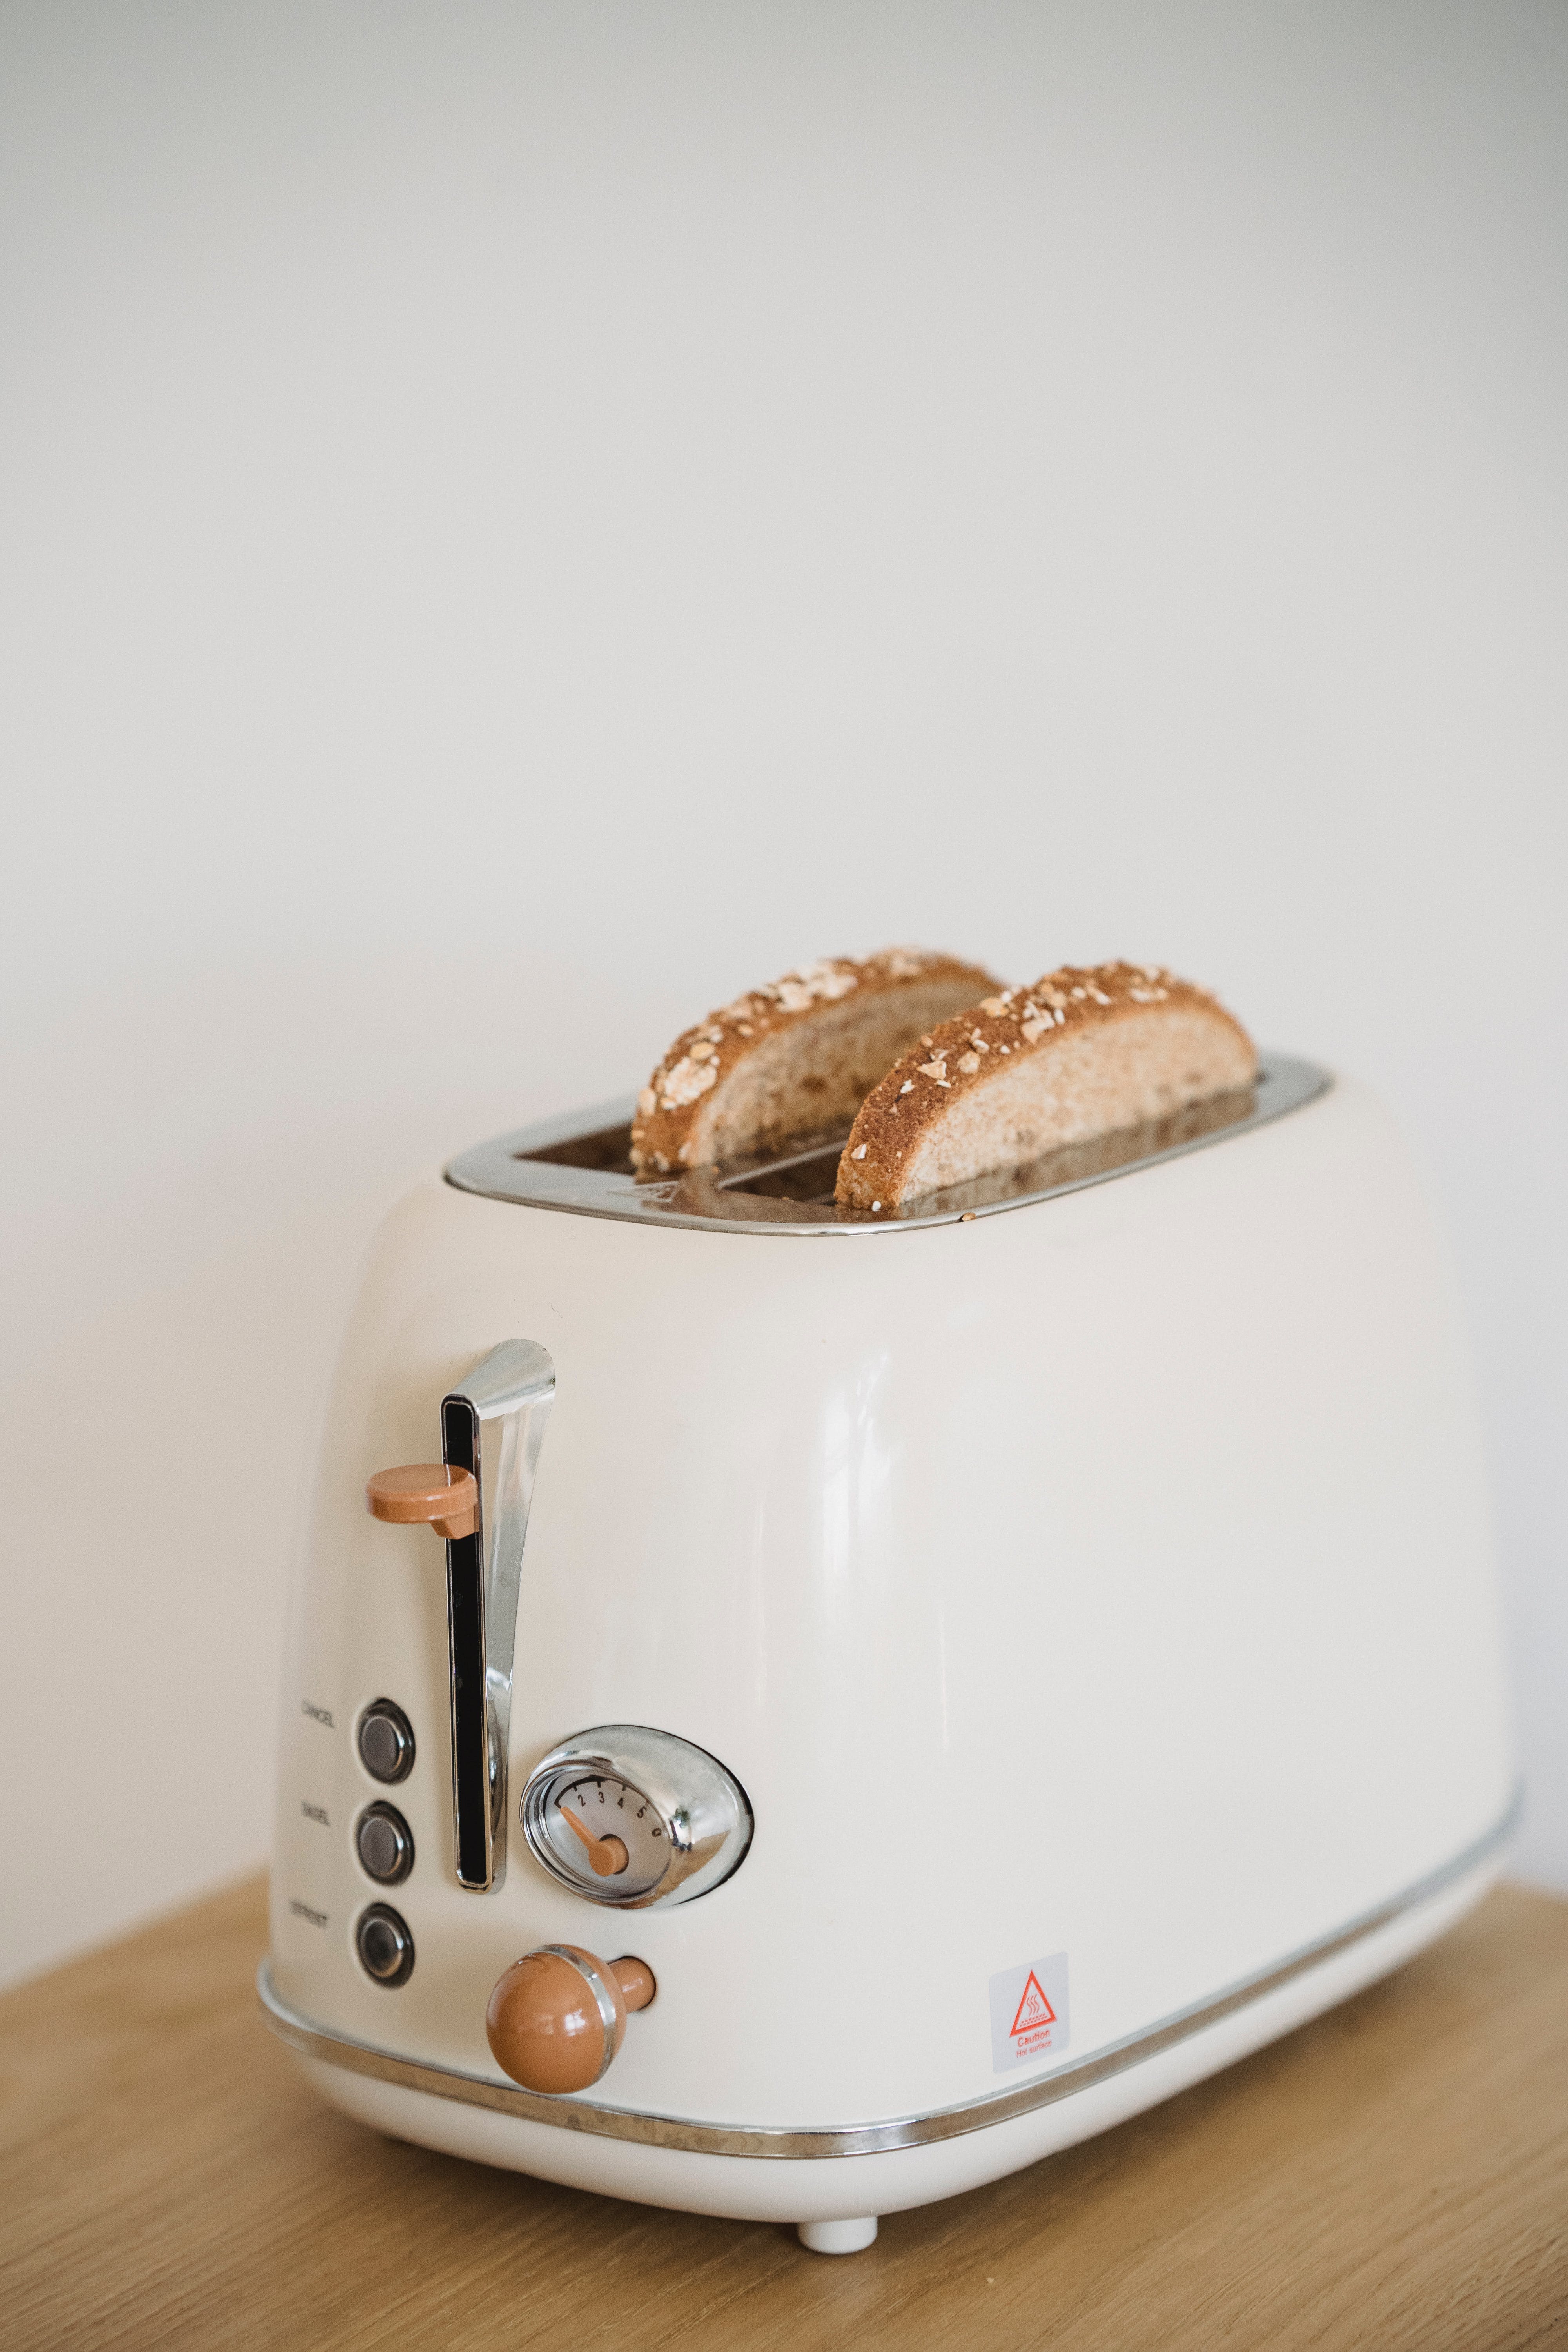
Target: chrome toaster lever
513, 1386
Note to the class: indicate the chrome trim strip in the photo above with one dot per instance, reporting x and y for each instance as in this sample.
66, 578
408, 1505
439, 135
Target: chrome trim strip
598, 1984
863, 2139
501, 1170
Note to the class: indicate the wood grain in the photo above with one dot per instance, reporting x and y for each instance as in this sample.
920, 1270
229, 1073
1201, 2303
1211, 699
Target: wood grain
1395, 2175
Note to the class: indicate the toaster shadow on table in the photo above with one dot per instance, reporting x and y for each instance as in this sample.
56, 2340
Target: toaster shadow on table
1003, 1663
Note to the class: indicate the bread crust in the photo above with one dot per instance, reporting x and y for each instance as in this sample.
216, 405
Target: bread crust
1085, 1051
796, 1055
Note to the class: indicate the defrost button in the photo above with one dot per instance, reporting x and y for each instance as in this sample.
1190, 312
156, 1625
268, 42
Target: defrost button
385, 1945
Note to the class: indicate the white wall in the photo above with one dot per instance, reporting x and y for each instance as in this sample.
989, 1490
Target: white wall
521, 521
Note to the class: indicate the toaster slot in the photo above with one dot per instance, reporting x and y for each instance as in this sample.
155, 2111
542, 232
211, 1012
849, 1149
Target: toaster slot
804, 1176
608, 1149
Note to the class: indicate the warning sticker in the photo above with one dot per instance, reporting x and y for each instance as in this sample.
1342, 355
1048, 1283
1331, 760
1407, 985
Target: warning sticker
1028, 2011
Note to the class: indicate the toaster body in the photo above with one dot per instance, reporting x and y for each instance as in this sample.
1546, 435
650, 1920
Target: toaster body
1088, 1597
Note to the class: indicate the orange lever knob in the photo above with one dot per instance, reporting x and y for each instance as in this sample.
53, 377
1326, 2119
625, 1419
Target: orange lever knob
426, 1493
558, 2016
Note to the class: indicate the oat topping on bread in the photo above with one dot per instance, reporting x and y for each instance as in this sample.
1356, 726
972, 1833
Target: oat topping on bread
791, 1057
1081, 1053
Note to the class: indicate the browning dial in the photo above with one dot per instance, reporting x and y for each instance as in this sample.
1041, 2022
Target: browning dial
631, 1816
606, 1826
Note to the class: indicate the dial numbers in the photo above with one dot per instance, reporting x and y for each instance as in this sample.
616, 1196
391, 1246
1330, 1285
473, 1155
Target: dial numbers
607, 1808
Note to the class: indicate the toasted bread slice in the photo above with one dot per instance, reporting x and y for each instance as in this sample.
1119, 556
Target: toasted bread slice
792, 1057
1081, 1054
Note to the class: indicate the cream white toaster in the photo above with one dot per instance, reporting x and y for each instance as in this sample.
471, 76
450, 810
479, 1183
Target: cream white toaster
953, 1680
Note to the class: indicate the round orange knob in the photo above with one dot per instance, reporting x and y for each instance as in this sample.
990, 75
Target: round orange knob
426, 1493
558, 2016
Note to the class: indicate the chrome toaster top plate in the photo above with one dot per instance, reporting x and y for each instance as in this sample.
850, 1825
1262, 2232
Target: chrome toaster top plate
582, 1163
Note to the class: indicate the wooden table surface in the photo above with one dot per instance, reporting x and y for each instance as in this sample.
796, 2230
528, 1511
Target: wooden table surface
1394, 2175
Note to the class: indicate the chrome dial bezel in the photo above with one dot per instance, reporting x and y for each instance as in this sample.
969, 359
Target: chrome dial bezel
703, 1810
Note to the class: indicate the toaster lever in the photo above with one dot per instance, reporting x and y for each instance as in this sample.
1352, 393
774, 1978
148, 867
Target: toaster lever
513, 1387
425, 1493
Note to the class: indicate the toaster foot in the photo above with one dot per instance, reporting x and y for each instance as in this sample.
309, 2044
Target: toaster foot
839, 2236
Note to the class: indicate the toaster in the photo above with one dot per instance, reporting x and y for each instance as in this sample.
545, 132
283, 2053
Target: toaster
880, 1698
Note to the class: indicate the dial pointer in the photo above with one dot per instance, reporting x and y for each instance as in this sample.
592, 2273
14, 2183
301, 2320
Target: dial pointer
606, 1856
